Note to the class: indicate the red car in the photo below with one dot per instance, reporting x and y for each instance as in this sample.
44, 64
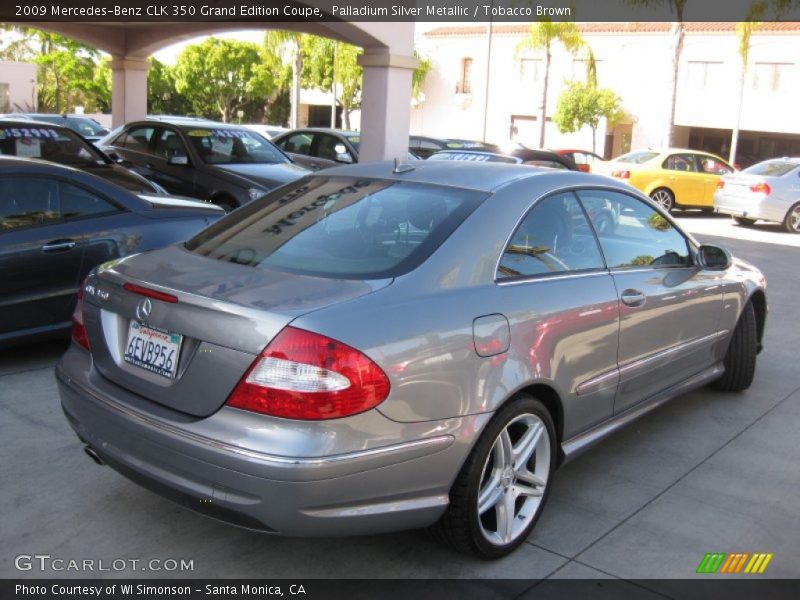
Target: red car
584, 159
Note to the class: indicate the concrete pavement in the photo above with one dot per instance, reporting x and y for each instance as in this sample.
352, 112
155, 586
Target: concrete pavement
709, 472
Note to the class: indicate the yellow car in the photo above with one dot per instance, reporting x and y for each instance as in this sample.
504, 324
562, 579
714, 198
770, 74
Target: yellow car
673, 178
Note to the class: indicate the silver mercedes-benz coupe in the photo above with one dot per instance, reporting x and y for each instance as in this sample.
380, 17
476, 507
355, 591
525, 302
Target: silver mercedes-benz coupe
379, 347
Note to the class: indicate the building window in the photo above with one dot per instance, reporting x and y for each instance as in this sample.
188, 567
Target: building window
771, 77
580, 68
5, 98
465, 81
702, 75
530, 71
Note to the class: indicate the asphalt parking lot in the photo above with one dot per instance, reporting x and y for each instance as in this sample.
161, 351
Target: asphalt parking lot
709, 472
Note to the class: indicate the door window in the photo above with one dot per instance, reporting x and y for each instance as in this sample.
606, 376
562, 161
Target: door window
554, 237
640, 235
169, 144
299, 143
714, 166
136, 139
329, 147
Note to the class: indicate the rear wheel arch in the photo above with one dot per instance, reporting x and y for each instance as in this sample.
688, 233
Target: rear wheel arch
552, 402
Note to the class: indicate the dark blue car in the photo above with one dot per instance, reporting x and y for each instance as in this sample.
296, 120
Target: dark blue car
57, 223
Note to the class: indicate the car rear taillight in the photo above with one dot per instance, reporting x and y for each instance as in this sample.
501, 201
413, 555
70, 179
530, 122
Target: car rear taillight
720, 184
761, 188
621, 174
79, 335
305, 375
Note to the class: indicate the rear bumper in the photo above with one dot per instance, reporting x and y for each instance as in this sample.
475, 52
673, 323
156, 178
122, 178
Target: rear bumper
766, 209
263, 479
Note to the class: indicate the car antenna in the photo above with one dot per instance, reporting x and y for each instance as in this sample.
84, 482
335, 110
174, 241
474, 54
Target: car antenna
402, 167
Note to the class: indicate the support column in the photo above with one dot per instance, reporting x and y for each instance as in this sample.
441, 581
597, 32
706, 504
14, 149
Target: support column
385, 104
128, 89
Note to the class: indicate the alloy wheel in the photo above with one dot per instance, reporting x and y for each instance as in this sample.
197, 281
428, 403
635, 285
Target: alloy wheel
663, 198
514, 479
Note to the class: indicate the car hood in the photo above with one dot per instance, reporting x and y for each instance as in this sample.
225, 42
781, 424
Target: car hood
124, 178
269, 175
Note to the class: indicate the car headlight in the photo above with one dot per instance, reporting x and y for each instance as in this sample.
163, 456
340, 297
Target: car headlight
255, 193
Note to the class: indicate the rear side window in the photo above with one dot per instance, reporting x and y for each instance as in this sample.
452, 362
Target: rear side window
554, 237
340, 227
27, 202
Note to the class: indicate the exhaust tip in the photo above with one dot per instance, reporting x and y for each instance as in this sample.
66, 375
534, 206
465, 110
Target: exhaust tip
93, 455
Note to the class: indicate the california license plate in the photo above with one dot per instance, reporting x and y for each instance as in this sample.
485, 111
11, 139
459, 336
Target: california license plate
153, 349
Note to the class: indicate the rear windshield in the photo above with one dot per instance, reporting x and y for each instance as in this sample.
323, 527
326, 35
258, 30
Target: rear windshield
771, 168
340, 227
48, 143
637, 158
233, 146
85, 126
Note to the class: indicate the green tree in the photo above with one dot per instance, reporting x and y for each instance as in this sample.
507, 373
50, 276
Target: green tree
221, 76
678, 33
66, 70
744, 31
288, 43
419, 75
542, 36
162, 95
585, 104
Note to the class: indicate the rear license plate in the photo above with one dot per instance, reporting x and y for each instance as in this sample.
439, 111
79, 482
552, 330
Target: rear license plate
153, 349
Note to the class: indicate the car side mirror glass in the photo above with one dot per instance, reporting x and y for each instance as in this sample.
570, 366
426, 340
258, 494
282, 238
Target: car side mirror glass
714, 258
178, 159
344, 157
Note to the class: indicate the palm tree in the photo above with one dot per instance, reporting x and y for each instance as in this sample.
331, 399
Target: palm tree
677, 32
275, 41
542, 36
743, 32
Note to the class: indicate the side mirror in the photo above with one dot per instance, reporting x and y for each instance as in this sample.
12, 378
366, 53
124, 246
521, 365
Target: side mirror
114, 156
344, 157
714, 258
178, 159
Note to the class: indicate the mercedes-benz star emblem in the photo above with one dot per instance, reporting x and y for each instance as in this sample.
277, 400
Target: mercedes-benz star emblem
143, 309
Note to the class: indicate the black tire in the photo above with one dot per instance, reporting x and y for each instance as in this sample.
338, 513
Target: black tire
460, 526
663, 198
744, 221
791, 222
740, 359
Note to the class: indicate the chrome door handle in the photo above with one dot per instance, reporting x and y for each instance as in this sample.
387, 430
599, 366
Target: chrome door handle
58, 246
633, 298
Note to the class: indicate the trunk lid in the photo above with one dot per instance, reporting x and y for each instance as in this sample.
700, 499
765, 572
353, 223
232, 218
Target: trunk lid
224, 315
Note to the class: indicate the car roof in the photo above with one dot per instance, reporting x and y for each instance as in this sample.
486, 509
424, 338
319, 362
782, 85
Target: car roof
187, 122
481, 176
322, 130
28, 123
10, 160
